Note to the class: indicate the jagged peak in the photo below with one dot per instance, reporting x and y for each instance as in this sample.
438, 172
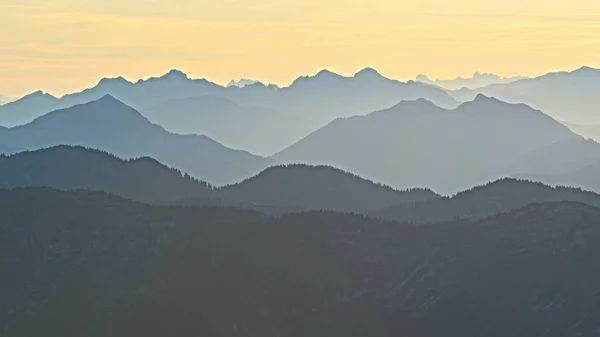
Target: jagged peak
242, 82
39, 93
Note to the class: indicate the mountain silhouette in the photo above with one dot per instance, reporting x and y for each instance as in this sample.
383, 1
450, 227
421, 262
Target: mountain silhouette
500, 196
295, 188
241, 83
74, 167
112, 126
276, 190
128, 269
259, 130
566, 96
312, 101
27, 108
327, 95
478, 80
140, 95
417, 144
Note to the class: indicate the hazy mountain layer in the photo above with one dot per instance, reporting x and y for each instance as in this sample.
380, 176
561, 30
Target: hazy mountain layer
567, 96
478, 80
417, 144
112, 126
261, 131
264, 120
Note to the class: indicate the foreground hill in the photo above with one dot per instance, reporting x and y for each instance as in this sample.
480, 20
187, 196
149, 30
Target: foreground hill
501, 196
81, 264
301, 187
276, 190
419, 144
112, 126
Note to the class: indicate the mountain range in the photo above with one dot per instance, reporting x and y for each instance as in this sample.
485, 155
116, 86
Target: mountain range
308, 103
109, 125
127, 269
275, 190
566, 96
336, 206
479, 80
279, 189
381, 146
418, 144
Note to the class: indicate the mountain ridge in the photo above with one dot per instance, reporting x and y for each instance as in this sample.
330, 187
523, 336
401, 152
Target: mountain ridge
113, 126
378, 145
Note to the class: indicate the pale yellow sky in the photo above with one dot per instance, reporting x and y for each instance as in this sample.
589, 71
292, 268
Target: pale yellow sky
61, 46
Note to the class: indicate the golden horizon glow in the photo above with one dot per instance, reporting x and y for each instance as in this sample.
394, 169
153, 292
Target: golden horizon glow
63, 46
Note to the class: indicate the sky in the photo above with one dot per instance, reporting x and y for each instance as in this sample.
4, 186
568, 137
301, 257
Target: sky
62, 46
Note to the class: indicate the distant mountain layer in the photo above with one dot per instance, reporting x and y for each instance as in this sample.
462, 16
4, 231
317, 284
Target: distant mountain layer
478, 80
417, 144
501, 196
259, 130
276, 190
241, 83
566, 96
110, 125
127, 269
309, 103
